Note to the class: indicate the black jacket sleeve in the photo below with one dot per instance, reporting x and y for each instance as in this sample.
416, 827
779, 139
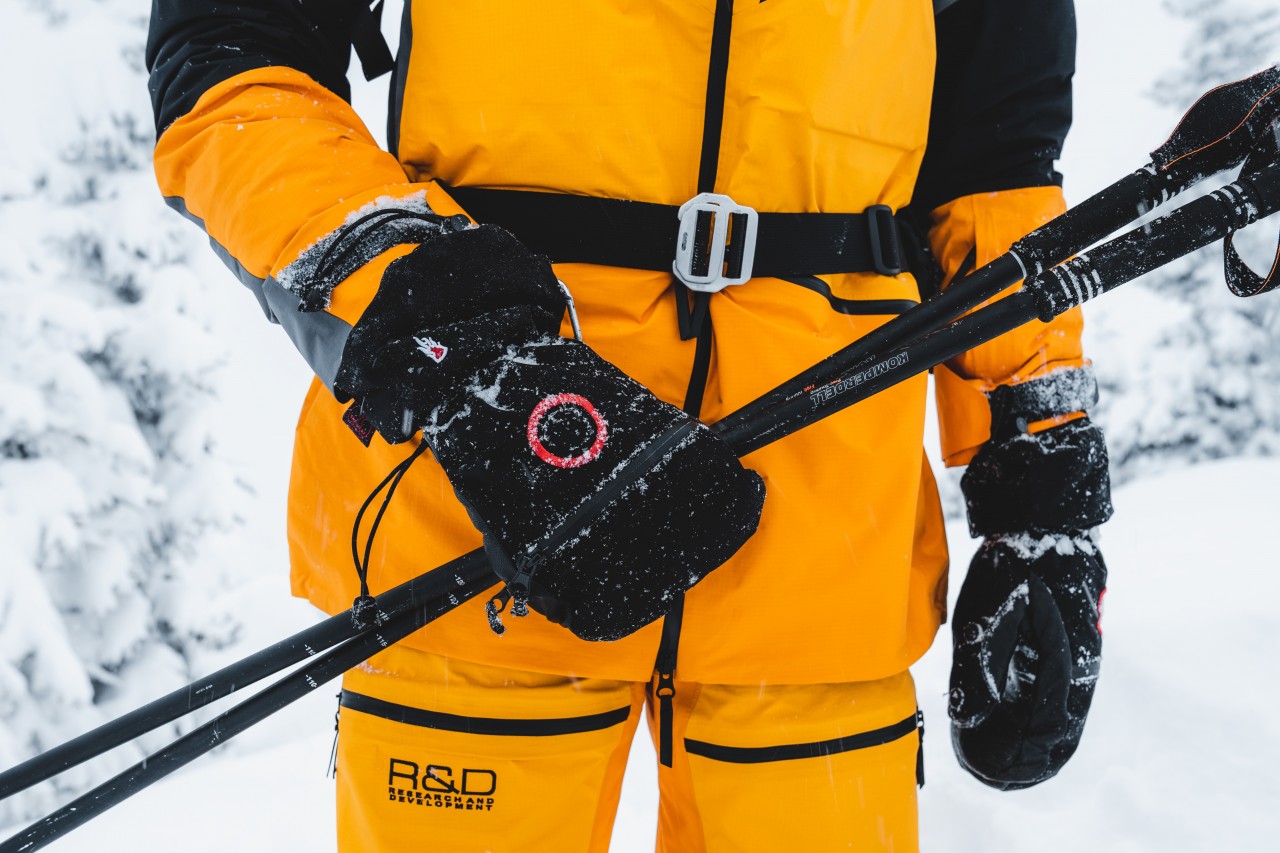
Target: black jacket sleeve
1001, 98
193, 45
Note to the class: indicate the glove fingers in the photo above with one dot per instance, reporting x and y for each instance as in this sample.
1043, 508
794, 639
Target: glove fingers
988, 615
1079, 605
1032, 733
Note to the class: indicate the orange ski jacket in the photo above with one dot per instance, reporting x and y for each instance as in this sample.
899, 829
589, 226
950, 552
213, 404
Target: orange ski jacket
791, 106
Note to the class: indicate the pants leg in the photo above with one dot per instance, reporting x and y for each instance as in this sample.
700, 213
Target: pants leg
441, 754
820, 767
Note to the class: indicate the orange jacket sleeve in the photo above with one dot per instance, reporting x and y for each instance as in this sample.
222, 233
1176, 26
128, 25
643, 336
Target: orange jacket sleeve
1001, 111
274, 165
987, 224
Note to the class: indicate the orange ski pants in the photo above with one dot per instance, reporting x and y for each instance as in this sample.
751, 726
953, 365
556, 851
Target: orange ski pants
441, 754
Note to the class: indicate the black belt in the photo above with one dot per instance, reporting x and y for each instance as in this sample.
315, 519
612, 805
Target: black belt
643, 235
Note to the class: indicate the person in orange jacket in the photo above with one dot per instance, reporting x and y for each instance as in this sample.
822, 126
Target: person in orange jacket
726, 190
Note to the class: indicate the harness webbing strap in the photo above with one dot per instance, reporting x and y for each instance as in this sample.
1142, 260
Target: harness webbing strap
642, 235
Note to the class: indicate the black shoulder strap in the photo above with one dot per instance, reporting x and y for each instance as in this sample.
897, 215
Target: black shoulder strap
371, 47
939, 6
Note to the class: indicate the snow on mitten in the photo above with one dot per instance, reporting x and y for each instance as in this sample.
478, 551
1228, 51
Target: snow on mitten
1026, 634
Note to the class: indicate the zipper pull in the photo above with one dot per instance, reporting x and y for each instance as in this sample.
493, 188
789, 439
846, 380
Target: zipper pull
522, 582
333, 750
665, 691
920, 749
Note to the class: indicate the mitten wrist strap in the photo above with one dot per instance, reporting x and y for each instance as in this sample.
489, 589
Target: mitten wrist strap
1063, 392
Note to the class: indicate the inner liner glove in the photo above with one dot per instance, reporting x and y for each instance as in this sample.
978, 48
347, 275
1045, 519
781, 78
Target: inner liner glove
599, 503
1026, 633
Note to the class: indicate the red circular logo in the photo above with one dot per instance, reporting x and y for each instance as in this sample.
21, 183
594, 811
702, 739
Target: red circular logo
553, 402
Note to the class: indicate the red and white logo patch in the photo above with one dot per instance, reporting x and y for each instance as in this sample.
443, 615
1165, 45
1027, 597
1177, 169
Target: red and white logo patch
432, 349
546, 407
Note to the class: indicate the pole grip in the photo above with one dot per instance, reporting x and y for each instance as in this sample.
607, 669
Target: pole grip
1146, 248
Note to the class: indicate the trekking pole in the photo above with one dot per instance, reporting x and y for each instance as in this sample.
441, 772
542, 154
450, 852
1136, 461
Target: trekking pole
1044, 296
300, 646
234, 721
1218, 133
849, 376
1206, 220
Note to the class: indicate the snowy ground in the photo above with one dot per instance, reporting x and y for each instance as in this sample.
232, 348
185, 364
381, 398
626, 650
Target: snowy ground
1183, 739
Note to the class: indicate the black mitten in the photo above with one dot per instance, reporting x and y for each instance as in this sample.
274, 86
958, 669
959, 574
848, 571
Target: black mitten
1028, 647
1026, 636
599, 503
441, 313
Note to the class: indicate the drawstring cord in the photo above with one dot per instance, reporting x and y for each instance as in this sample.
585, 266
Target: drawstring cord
364, 610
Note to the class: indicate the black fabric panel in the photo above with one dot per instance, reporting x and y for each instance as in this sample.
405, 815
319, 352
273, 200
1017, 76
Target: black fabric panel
793, 751
193, 45
1001, 98
400, 74
482, 725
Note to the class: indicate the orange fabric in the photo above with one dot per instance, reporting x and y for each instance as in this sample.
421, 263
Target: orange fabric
992, 222
826, 104
860, 799
405, 786
271, 162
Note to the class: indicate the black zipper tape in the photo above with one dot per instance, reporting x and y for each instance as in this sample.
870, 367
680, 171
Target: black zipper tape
793, 751
482, 725
669, 645
697, 325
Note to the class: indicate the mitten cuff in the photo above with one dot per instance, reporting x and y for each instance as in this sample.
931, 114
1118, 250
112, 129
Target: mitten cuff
1052, 481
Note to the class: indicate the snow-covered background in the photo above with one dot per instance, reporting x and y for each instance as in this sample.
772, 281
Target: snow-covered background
145, 422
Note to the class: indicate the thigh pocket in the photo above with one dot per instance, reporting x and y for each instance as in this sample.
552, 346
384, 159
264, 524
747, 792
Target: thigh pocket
410, 778
852, 792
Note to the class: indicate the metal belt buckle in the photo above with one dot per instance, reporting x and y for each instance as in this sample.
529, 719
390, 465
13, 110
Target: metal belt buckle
716, 244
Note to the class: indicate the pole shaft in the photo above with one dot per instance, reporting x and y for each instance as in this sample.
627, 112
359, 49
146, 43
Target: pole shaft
292, 687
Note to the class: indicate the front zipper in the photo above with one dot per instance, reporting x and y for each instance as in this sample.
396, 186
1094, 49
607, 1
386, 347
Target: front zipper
712, 126
717, 79
665, 689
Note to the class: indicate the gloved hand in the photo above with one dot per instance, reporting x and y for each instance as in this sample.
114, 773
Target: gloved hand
1026, 632
599, 503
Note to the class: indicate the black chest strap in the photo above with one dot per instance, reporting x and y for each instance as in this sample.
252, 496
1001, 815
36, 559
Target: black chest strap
643, 235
